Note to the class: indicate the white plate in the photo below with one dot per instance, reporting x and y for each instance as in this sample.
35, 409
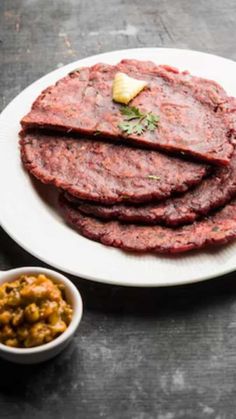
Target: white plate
28, 210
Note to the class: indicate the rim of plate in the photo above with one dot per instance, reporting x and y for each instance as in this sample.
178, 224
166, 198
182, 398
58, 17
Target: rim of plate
115, 56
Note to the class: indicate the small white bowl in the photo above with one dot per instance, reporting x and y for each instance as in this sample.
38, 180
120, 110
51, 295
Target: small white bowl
48, 350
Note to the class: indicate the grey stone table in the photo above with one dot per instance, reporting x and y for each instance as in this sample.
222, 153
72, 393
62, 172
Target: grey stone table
140, 353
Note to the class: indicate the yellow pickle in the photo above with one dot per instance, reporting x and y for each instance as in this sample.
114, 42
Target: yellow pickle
33, 311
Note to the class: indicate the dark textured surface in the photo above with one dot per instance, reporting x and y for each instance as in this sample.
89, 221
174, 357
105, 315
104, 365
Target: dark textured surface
140, 354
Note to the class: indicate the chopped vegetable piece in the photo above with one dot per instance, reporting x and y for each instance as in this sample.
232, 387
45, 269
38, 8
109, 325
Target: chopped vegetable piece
154, 177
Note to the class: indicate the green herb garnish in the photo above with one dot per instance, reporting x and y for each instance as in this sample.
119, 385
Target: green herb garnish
215, 228
151, 121
126, 127
131, 112
136, 122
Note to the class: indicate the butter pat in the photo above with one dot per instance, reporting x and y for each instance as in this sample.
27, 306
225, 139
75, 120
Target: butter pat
125, 88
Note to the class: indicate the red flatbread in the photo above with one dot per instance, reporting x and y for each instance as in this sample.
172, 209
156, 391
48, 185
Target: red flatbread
217, 229
196, 116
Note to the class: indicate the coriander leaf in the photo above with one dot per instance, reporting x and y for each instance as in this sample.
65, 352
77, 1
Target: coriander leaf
138, 129
152, 118
148, 121
131, 112
126, 127
151, 121
151, 127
